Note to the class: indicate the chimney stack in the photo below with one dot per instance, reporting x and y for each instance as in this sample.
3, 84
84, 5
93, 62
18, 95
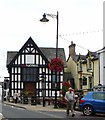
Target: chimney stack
72, 49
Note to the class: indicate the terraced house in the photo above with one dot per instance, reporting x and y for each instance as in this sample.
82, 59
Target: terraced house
84, 68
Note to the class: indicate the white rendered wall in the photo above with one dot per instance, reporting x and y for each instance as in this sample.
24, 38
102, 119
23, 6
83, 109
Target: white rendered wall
0, 99
103, 54
102, 69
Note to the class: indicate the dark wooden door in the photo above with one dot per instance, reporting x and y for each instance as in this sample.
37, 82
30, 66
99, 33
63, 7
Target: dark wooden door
29, 87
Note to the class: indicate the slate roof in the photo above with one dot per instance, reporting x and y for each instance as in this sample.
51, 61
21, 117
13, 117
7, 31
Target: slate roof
94, 54
77, 57
10, 56
49, 53
84, 57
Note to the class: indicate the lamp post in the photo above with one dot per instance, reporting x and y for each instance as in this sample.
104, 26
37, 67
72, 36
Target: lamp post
44, 19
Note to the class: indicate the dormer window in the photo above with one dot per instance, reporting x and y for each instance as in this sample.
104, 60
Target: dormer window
89, 64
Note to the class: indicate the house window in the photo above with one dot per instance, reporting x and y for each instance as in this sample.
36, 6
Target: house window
29, 74
80, 83
80, 66
55, 82
89, 64
55, 78
90, 82
29, 59
84, 80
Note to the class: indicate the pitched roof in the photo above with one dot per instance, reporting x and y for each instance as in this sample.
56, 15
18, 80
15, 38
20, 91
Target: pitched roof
95, 55
77, 57
49, 53
82, 57
90, 53
10, 56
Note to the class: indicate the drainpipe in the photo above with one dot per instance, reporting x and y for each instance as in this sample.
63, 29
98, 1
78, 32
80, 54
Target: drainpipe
99, 68
93, 74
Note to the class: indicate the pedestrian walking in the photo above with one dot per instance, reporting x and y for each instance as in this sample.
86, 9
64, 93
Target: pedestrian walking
70, 97
15, 97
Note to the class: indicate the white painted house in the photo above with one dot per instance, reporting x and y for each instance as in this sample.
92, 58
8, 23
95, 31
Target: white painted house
102, 66
102, 52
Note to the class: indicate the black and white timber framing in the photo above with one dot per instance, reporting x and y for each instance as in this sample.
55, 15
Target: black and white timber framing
29, 65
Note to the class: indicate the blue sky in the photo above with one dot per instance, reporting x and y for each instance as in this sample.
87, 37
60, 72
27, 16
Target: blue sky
80, 21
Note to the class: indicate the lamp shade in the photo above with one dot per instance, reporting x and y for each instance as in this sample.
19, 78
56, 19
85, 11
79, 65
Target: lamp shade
44, 19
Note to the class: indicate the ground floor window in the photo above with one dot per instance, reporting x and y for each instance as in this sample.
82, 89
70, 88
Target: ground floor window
90, 82
84, 80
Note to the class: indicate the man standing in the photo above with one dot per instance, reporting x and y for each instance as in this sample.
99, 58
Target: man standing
70, 97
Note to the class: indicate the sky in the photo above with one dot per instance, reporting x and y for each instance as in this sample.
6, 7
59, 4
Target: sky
80, 21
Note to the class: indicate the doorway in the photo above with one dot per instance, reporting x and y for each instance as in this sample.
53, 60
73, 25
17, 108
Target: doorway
29, 88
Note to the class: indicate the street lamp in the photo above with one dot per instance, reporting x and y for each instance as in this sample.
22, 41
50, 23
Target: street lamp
44, 19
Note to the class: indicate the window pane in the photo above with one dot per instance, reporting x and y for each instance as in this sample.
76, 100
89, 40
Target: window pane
30, 74
29, 59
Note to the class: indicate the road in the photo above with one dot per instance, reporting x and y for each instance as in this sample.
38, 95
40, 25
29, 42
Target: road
11, 113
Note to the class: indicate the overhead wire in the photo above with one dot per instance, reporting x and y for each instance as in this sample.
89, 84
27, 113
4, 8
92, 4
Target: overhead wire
82, 33
79, 33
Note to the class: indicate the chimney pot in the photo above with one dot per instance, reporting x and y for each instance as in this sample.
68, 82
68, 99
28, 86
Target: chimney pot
71, 42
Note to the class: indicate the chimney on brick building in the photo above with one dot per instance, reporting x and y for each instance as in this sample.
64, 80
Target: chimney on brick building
72, 50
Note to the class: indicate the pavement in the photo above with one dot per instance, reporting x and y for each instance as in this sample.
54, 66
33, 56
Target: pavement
35, 107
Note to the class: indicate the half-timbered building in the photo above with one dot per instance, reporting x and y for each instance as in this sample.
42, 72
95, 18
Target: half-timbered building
28, 70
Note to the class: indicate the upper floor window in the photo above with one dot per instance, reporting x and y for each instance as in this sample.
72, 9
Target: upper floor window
29, 74
89, 64
30, 59
79, 66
